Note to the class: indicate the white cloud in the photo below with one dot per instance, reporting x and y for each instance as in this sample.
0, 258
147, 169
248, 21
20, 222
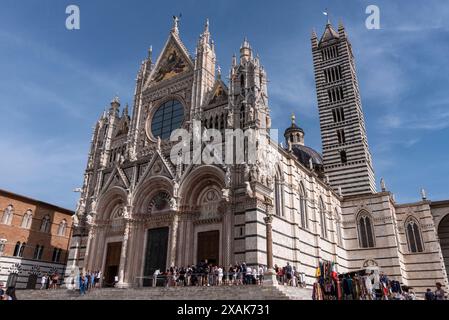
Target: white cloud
430, 119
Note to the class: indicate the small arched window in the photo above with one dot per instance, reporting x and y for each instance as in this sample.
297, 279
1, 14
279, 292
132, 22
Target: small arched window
414, 239
17, 249
22, 248
303, 206
365, 230
8, 214
338, 227
38, 251
27, 219
45, 225
278, 194
56, 255
62, 227
322, 213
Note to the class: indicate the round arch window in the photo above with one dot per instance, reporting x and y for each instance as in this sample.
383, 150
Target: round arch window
168, 117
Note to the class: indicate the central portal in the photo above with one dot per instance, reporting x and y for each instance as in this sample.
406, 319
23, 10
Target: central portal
112, 263
156, 256
209, 246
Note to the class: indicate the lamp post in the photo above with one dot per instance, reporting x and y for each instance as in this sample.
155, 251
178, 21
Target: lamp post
269, 275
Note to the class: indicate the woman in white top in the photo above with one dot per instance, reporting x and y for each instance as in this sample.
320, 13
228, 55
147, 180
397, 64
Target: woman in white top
43, 281
220, 276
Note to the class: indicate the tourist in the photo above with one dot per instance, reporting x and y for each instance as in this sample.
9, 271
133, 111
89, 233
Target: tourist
288, 273
255, 275
239, 274
54, 281
439, 292
82, 285
98, 279
47, 281
43, 281
280, 275
220, 276
92, 280
156, 274
88, 277
261, 272
429, 294
248, 275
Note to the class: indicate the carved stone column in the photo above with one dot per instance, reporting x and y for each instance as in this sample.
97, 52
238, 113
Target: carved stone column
89, 225
270, 275
225, 209
173, 239
121, 283
91, 242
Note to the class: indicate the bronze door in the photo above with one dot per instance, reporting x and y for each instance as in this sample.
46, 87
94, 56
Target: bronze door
112, 263
156, 253
209, 246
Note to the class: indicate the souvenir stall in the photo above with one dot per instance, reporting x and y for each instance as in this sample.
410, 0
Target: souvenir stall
364, 284
327, 285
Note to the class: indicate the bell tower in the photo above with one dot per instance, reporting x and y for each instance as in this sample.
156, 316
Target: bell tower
346, 156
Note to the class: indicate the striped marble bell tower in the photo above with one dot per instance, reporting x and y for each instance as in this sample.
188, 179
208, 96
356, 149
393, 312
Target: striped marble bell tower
346, 156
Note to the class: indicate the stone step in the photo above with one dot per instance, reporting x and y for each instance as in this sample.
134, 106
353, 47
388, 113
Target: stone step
173, 293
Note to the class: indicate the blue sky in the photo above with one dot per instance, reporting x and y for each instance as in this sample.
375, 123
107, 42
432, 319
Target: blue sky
55, 83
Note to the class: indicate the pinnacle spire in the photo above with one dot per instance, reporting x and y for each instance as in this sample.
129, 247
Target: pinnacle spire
206, 26
150, 53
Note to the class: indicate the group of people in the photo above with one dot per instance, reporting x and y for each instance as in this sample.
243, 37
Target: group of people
288, 275
438, 294
208, 274
50, 281
8, 294
89, 280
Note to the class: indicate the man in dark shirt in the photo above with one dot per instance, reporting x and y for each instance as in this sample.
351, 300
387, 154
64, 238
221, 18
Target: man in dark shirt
429, 295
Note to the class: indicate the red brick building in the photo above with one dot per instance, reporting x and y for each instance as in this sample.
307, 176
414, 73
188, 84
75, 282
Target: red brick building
34, 239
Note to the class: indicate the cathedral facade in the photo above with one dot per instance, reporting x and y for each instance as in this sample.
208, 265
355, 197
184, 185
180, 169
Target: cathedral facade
140, 211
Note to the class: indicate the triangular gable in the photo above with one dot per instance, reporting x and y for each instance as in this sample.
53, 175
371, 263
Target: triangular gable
157, 160
219, 93
173, 60
116, 178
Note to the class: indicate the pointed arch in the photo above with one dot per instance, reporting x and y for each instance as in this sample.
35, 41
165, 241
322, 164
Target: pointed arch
8, 213
278, 192
115, 196
338, 227
414, 235
323, 219
45, 224
303, 206
27, 219
145, 192
195, 182
17, 249
365, 230
62, 227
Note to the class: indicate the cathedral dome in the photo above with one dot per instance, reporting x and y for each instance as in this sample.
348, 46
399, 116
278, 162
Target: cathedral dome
304, 154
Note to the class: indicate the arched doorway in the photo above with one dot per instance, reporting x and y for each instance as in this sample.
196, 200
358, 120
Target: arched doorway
443, 234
